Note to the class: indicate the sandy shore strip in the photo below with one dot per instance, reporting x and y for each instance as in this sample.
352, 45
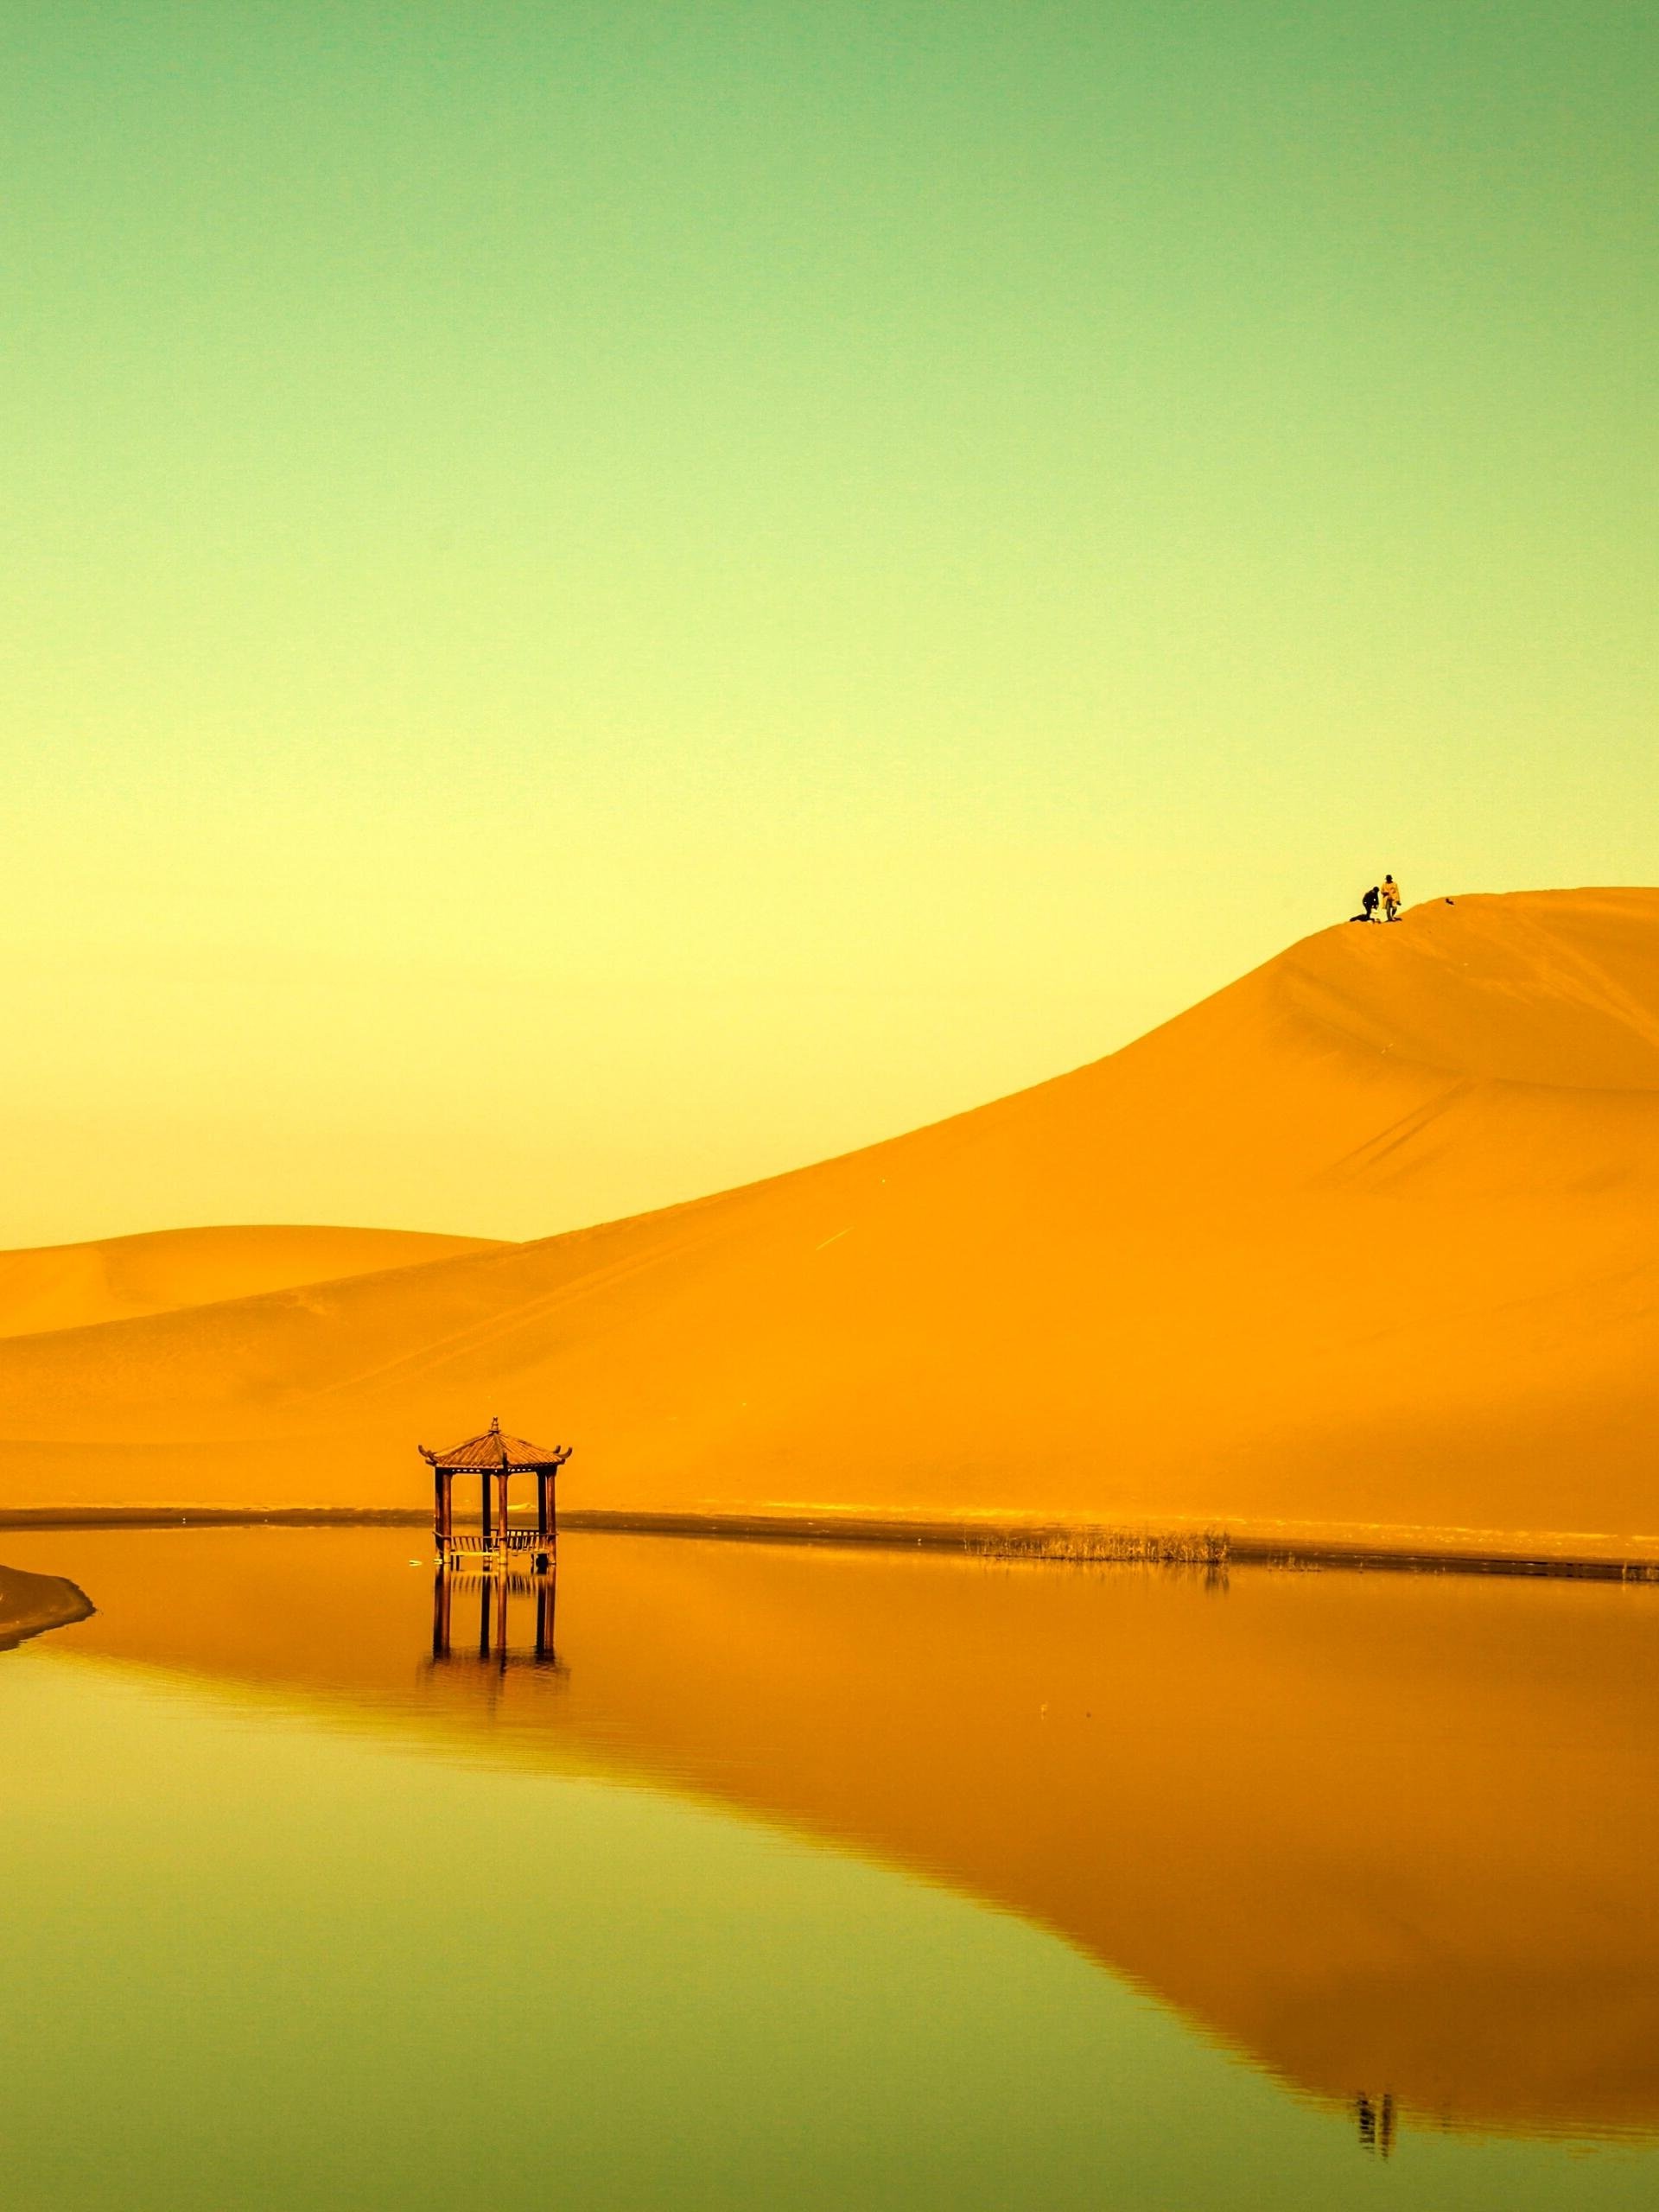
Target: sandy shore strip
1568, 1554
31, 1604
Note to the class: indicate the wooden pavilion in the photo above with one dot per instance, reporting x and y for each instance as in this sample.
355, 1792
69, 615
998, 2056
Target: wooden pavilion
495, 1460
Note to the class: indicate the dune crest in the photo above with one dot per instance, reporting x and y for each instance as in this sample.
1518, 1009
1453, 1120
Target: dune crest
1364, 1244
1559, 989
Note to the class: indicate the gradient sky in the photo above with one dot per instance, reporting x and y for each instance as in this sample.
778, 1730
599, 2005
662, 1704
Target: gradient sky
601, 600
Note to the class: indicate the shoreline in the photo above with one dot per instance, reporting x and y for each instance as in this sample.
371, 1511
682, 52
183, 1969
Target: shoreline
1052, 1543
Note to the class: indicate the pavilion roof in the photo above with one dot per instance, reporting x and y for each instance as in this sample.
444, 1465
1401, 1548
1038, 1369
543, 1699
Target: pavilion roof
493, 1451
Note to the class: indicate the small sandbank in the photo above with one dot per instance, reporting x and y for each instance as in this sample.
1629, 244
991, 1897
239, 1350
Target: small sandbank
1566, 1554
30, 1603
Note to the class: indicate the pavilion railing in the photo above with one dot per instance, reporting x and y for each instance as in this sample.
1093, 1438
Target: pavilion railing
500, 1539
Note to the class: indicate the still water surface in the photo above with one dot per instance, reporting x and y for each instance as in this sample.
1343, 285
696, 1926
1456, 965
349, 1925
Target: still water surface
804, 1878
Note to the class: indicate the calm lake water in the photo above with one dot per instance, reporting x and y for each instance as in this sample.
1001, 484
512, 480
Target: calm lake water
802, 1877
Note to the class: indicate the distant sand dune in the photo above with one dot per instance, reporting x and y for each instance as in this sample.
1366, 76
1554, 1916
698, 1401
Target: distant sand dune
119, 1278
1364, 1244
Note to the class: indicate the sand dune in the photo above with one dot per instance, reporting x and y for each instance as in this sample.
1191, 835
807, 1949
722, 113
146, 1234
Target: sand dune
118, 1278
1365, 1243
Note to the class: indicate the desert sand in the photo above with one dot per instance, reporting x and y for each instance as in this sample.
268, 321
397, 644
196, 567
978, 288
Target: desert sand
31, 1604
119, 1278
1373, 1831
1364, 1248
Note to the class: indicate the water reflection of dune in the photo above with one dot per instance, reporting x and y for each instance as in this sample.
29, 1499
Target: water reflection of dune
1386, 1835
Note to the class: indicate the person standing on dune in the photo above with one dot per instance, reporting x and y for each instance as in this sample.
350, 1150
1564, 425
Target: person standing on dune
1392, 901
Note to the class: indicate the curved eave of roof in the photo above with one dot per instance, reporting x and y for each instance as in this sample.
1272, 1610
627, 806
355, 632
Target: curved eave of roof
494, 1454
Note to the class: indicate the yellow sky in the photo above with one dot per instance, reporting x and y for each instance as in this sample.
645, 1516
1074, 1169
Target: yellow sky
593, 607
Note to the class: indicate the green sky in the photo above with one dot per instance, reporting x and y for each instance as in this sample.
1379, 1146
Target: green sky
599, 599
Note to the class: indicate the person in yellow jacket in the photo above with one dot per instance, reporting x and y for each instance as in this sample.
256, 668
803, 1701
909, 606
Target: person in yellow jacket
1392, 902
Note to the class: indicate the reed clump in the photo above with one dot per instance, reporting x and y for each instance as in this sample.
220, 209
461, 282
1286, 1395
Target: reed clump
1205, 1548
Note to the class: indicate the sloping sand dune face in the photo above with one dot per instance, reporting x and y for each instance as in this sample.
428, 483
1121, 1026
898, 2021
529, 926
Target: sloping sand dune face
1364, 1244
78, 1286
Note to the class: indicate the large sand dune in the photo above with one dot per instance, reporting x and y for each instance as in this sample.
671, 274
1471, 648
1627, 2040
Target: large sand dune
118, 1278
1364, 1246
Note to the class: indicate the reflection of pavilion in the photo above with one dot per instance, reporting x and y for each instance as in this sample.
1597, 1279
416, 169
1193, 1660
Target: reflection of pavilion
495, 1615
1376, 2119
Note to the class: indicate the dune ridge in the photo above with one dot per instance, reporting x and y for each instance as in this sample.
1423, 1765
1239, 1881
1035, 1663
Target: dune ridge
1363, 1245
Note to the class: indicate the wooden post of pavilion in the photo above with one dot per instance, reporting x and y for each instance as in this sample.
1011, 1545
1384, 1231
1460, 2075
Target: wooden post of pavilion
547, 1522
495, 1458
